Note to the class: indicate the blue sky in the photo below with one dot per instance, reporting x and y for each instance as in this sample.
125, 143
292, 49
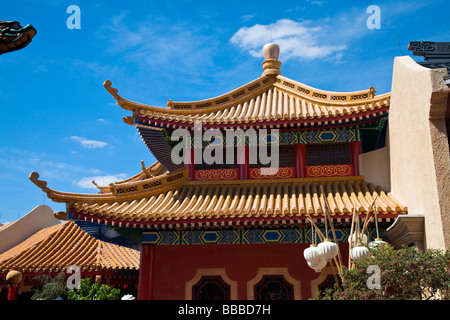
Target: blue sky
58, 119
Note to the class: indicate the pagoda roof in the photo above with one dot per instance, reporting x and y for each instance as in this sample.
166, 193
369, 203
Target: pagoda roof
270, 100
173, 201
55, 248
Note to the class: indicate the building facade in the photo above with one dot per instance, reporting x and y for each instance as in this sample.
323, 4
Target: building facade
215, 219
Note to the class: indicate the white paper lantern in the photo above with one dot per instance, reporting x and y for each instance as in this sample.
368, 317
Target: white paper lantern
318, 267
361, 239
312, 255
328, 250
359, 253
376, 242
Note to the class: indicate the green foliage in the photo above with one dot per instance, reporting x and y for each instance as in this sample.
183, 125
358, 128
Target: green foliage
52, 287
95, 291
405, 274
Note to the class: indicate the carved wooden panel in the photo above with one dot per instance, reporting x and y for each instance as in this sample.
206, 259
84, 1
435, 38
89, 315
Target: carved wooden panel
330, 170
272, 173
217, 174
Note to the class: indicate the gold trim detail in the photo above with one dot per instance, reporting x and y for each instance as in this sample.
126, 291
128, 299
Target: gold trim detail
118, 192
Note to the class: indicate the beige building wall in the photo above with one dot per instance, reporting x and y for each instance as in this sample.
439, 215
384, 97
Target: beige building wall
16, 232
419, 152
375, 166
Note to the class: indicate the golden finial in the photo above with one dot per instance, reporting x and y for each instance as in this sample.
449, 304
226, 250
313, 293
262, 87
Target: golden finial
271, 64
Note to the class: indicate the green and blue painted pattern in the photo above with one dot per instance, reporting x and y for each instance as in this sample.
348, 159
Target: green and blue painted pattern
241, 236
281, 138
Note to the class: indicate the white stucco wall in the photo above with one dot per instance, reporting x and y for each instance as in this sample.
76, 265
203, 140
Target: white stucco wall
375, 167
19, 230
420, 162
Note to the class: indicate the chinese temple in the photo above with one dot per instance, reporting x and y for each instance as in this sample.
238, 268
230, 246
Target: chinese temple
237, 229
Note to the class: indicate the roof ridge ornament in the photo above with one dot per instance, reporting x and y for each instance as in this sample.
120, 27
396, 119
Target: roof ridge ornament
271, 65
113, 91
34, 177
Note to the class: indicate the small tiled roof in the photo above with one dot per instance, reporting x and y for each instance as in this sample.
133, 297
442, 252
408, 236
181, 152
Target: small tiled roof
265, 101
55, 248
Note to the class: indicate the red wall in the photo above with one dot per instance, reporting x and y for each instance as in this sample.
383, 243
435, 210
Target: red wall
174, 265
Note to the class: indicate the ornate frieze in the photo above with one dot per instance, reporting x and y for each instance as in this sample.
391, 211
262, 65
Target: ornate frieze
217, 174
224, 99
282, 137
330, 170
325, 95
272, 173
239, 236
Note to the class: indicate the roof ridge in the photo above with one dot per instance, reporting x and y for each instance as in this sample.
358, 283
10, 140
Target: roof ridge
152, 171
330, 98
214, 104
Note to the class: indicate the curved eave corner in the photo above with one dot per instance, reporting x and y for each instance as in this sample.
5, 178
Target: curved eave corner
63, 197
125, 103
119, 192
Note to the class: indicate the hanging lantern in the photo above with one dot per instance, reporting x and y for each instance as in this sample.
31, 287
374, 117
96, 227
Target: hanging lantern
312, 255
376, 242
328, 250
362, 239
318, 267
13, 278
359, 253
313, 258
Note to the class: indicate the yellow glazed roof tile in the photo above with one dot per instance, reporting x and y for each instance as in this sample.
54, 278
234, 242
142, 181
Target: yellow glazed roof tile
275, 99
263, 200
55, 248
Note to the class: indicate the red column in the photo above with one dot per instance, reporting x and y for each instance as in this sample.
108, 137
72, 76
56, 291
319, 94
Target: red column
12, 292
189, 162
243, 168
356, 149
145, 286
300, 160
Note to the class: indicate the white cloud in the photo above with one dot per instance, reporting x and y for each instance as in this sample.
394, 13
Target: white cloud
19, 163
154, 45
86, 182
296, 40
247, 17
89, 144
